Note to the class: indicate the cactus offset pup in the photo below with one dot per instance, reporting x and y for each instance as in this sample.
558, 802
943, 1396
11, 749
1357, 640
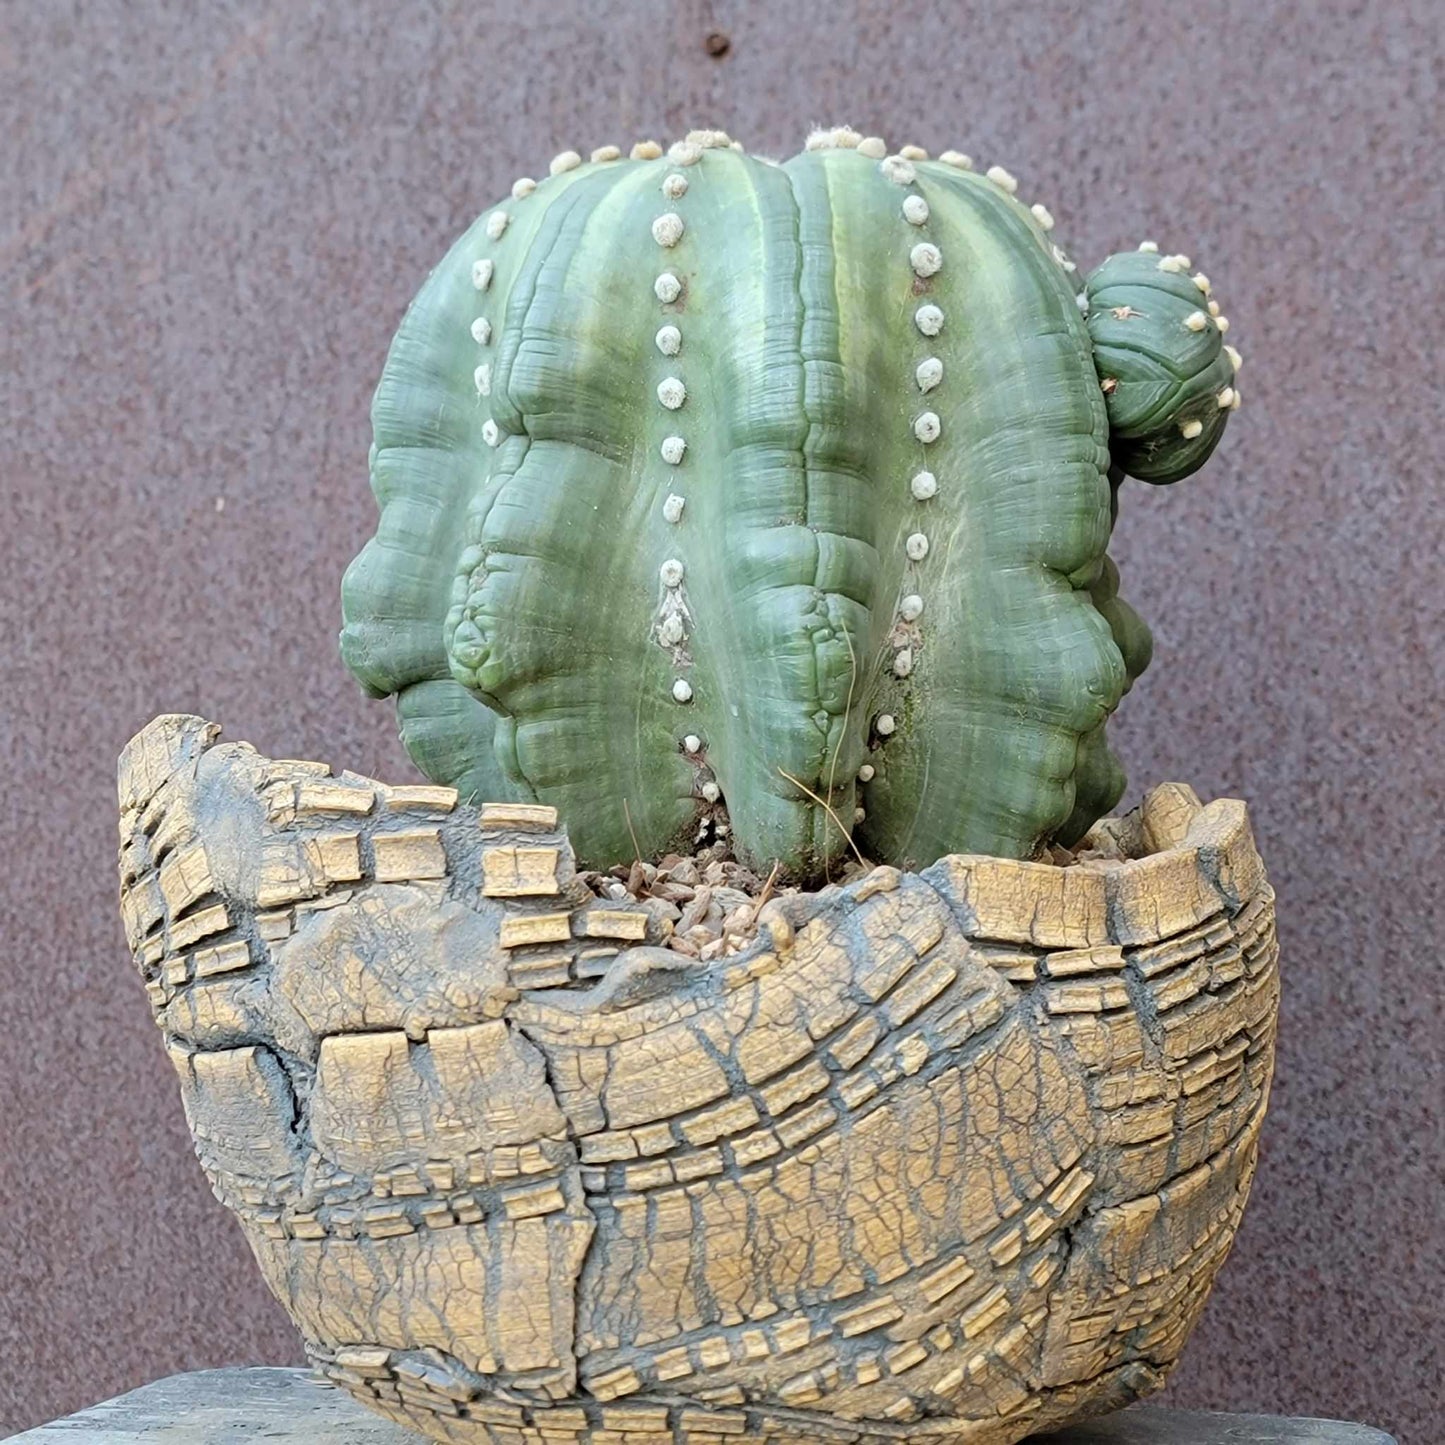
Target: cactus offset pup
719, 492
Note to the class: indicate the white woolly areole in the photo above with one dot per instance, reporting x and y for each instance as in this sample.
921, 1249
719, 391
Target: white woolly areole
667, 288
1235, 359
482, 273
1201, 281
923, 486
1196, 321
916, 546
711, 140
672, 507
1214, 308
1234, 405
1174, 264
1191, 429
867, 773
927, 427
682, 690
903, 661
928, 319
710, 791
1149, 246
925, 258
674, 184
496, 224
929, 373
482, 378
670, 630
490, 434
692, 743
669, 340
685, 152
874, 147
646, 150
672, 450
481, 331
841, 137
913, 153
885, 725
957, 160
1225, 399
1003, 179
898, 170
671, 392
911, 608
1222, 322
566, 161
1042, 215
671, 573
604, 154
915, 210
523, 187
860, 815
667, 229
1063, 260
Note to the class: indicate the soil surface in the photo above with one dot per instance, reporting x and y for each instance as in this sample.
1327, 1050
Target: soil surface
708, 903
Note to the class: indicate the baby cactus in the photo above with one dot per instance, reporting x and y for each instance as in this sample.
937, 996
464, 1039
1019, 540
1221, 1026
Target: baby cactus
722, 494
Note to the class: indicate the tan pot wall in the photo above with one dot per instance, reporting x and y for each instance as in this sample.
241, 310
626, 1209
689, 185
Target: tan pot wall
946, 1155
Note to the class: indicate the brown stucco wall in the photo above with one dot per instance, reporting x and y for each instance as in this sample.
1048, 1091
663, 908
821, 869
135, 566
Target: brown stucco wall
211, 217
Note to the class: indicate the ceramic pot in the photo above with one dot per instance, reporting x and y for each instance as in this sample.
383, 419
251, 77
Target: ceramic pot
948, 1154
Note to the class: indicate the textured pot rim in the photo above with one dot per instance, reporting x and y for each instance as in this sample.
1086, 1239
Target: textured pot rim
1197, 860
1213, 867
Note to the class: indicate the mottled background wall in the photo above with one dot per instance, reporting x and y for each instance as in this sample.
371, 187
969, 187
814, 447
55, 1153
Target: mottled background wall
211, 217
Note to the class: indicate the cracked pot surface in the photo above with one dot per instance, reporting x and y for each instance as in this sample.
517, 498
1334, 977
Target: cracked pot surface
941, 1155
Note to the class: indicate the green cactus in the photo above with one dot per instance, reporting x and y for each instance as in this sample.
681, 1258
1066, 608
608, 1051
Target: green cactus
722, 493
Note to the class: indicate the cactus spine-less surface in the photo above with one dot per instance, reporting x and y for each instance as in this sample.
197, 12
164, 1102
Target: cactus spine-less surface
722, 492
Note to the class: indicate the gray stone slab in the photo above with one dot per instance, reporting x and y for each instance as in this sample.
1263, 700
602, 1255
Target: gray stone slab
226, 1407
1157, 1425
229, 1407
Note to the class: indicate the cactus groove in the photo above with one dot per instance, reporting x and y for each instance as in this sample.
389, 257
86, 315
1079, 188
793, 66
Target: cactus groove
718, 493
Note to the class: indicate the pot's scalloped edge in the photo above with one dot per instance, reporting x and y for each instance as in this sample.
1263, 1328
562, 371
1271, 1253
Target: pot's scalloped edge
951, 1153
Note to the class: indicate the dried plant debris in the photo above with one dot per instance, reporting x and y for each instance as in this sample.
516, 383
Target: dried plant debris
706, 904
